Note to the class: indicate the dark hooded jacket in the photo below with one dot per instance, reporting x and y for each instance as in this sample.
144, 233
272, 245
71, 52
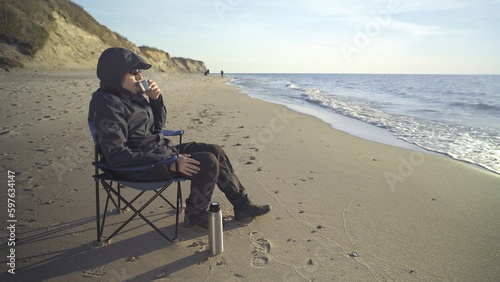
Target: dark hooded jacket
128, 125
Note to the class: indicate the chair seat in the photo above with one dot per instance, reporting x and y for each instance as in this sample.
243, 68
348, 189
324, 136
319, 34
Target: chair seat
138, 185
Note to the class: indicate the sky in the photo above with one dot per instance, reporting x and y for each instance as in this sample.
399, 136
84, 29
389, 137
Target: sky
315, 36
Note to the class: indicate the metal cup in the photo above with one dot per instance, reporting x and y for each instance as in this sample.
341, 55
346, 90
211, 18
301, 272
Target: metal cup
144, 86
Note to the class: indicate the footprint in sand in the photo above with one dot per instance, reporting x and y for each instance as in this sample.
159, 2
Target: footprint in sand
33, 202
261, 247
98, 271
76, 231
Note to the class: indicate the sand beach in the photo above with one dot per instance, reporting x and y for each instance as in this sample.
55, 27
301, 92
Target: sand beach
344, 208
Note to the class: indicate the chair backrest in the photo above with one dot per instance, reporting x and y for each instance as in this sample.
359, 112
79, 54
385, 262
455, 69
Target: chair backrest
101, 163
99, 160
93, 129
97, 150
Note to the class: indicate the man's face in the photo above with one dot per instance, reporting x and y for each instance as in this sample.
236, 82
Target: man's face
131, 79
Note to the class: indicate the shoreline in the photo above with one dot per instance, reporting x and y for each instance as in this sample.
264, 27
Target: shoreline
359, 128
344, 208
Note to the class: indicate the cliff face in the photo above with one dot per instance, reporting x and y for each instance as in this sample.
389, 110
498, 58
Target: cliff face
162, 61
58, 34
189, 65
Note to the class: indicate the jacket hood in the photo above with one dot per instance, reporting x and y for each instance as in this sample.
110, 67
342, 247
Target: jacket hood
114, 63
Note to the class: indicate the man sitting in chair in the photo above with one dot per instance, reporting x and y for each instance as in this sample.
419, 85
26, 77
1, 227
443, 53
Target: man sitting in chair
129, 134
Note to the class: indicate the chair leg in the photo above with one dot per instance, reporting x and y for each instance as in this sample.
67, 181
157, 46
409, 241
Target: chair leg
115, 203
108, 187
137, 197
101, 221
119, 201
180, 196
98, 211
104, 213
139, 213
178, 208
166, 200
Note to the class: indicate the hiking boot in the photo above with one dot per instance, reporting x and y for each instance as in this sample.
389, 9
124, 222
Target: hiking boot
250, 211
200, 220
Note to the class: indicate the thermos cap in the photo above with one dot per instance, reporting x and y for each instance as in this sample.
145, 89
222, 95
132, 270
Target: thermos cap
214, 207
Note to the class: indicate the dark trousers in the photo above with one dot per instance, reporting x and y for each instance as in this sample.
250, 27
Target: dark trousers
215, 169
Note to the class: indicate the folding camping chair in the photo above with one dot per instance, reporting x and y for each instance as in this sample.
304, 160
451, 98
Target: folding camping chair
104, 178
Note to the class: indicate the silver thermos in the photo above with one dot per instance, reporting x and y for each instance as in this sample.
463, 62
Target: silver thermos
215, 235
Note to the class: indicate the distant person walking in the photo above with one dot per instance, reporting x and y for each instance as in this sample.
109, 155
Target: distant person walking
222, 73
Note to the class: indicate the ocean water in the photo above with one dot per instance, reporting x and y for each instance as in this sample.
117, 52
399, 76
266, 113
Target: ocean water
455, 115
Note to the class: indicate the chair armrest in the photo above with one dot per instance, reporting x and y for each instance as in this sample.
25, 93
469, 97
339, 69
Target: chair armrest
172, 132
106, 166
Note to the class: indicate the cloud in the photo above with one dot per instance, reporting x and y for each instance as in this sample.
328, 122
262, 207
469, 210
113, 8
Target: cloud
415, 29
443, 5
